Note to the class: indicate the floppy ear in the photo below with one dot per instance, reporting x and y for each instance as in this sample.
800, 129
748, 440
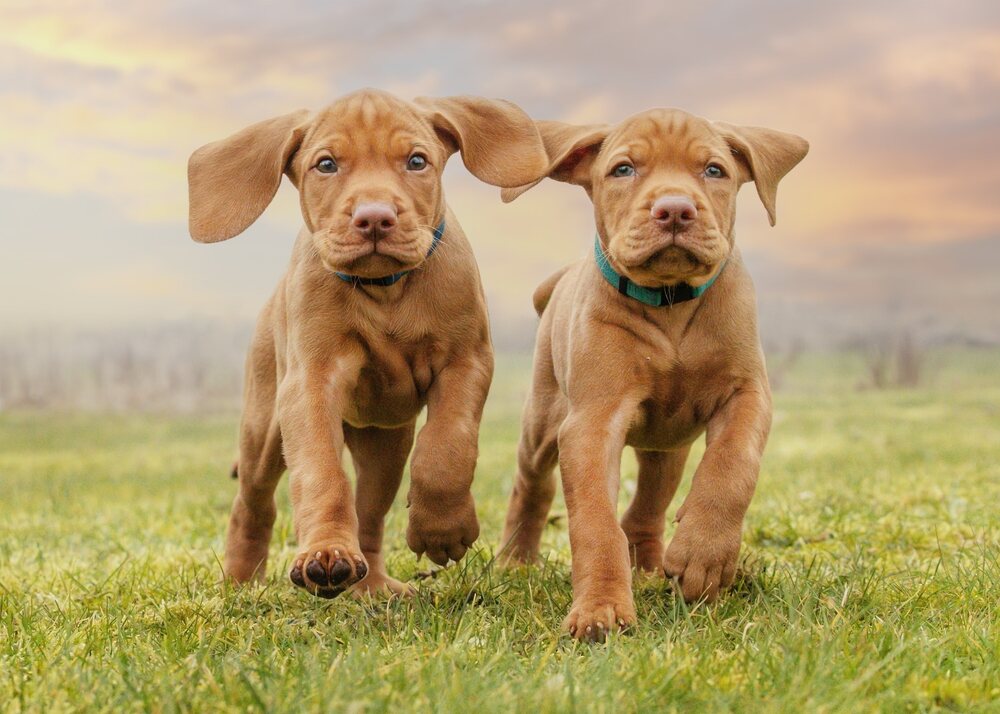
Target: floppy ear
499, 142
768, 155
232, 181
571, 150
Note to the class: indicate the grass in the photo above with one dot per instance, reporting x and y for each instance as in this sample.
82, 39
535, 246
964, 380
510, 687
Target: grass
870, 580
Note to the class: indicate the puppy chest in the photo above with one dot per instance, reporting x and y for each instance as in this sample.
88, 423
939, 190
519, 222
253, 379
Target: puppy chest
391, 388
674, 411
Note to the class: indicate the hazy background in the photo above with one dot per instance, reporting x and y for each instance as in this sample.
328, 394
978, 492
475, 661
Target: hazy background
887, 235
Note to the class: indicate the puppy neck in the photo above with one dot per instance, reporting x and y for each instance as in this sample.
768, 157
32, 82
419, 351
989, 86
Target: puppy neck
664, 296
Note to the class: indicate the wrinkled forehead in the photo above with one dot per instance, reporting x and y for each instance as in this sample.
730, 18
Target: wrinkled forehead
664, 133
369, 121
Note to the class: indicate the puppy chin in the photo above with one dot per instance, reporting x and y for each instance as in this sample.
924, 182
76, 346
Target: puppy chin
673, 265
368, 260
373, 265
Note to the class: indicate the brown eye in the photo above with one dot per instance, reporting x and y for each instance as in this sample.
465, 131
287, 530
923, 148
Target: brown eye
715, 171
417, 162
327, 166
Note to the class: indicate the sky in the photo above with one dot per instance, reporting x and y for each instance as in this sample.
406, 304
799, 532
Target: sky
893, 218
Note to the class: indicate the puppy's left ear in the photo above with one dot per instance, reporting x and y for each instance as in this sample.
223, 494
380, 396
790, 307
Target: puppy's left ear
767, 155
499, 142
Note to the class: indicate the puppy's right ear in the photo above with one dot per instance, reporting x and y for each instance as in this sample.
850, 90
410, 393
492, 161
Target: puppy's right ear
232, 181
571, 150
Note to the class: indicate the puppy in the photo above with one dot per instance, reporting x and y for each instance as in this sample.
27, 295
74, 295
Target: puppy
380, 313
648, 342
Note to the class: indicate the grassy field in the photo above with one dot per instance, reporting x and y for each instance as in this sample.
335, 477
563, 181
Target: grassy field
870, 581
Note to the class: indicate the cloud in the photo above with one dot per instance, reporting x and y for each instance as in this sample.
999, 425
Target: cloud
103, 102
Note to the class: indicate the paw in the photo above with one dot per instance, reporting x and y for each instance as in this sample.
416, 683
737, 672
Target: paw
380, 586
646, 555
248, 565
328, 570
702, 556
592, 620
518, 547
512, 559
444, 533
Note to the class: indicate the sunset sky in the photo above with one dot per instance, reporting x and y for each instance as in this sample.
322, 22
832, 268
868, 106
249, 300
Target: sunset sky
894, 214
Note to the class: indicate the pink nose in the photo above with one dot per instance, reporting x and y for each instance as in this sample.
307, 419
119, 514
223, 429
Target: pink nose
674, 212
374, 220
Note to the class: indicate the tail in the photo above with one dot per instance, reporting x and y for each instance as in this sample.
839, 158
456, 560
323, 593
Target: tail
543, 293
235, 472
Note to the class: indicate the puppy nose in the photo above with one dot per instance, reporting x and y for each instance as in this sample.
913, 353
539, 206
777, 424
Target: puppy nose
674, 212
374, 220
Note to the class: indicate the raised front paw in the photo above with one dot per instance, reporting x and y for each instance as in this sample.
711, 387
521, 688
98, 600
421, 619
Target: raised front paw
441, 530
592, 619
702, 555
328, 569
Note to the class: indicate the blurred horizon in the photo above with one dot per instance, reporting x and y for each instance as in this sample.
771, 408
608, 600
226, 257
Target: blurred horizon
891, 222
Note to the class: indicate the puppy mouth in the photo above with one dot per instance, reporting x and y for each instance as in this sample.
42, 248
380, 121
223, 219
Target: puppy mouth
369, 258
673, 247
669, 258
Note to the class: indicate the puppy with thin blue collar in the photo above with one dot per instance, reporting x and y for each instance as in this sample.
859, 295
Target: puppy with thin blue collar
380, 313
648, 342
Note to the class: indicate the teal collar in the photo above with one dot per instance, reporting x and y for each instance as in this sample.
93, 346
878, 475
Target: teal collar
395, 277
655, 297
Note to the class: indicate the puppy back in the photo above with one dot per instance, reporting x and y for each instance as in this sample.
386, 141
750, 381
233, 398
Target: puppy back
543, 293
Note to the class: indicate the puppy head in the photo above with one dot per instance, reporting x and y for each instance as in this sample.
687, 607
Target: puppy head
664, 187
368, 170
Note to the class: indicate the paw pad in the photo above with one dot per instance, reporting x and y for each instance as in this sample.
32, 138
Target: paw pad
327, 574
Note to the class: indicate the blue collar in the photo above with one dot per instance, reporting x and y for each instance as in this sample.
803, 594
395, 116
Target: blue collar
387, 280
655, 297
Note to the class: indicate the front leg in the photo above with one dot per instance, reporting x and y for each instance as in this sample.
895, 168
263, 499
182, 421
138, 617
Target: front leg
442, 512
326, 523
590, 448
705, 548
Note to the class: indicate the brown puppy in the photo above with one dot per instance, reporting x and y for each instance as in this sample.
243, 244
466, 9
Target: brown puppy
374, 319
648, 342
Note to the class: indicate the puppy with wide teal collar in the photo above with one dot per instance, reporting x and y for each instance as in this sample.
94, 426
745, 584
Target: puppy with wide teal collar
649, 342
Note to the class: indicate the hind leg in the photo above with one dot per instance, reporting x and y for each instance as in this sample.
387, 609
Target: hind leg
259, 465
659, 475
379, 457
537, 454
